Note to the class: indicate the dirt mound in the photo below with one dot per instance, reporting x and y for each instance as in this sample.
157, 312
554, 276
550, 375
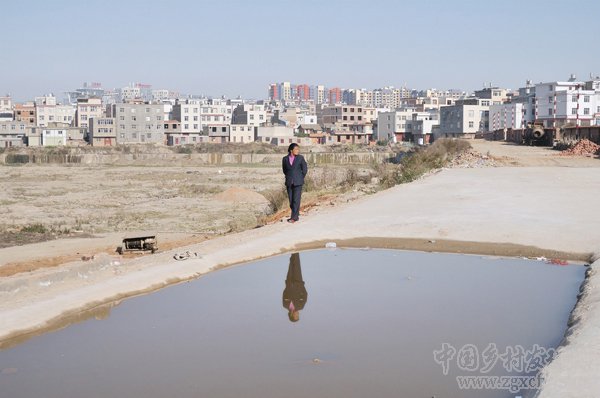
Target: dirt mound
582, 148
241, 195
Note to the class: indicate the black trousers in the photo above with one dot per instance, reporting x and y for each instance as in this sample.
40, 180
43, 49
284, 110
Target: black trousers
294, 194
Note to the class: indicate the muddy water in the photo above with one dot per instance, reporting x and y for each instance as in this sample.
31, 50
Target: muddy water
369, 322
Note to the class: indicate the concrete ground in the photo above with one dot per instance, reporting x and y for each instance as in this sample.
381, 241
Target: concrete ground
519, 211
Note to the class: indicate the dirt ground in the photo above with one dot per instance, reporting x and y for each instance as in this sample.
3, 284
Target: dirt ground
509, 154
53, 214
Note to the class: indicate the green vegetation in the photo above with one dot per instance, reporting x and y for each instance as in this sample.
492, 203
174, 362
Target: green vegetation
422, 160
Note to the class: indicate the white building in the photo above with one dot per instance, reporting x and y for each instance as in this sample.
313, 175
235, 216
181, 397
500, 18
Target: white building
129, 93
242, 133
514, 115
317, 94
53, 136
406, 125
48, 111
392, 126
573, 103
5, 103
196, 114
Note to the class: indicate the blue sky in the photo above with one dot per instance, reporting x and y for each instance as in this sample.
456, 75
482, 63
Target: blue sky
238, 47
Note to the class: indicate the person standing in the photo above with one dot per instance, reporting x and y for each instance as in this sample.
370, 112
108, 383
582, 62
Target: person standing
295, 169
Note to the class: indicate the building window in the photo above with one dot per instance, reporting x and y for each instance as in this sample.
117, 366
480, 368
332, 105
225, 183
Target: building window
471, 124
574, 98
586, 111
550, 100
550, 111
574, 111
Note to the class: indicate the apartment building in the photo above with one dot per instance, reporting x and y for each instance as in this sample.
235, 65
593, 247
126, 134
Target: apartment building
88, 108
195, 115
249, 114
139, 122
25, 113
464, 118
47, 111
567, 103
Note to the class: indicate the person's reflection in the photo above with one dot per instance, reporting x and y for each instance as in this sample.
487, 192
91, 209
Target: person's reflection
294, 294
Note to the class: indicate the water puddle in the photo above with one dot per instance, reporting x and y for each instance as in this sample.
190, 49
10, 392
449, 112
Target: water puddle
324, 323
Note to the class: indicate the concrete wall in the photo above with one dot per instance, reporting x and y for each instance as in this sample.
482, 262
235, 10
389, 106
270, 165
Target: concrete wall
73, 157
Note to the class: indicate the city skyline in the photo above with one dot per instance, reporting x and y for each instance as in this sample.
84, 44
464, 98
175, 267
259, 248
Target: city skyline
239, 48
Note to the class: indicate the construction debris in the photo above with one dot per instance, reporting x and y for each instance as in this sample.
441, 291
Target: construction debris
471, 159
582, 148
185, 255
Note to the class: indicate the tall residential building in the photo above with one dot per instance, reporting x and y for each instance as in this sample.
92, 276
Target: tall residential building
334, 95
139, 122
302, 92
282, 91
317, 94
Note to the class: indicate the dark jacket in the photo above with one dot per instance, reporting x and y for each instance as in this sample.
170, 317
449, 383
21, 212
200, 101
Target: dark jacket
294, 285
294, 173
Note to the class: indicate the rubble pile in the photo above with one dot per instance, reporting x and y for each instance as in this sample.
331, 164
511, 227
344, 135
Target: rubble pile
471, 159
582, 148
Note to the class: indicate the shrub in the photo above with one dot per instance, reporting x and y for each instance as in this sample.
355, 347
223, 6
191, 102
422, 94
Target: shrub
34, 229
414, 164
278, 198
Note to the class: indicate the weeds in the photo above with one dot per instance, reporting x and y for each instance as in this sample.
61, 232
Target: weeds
278, 199
34, 229
414, 165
